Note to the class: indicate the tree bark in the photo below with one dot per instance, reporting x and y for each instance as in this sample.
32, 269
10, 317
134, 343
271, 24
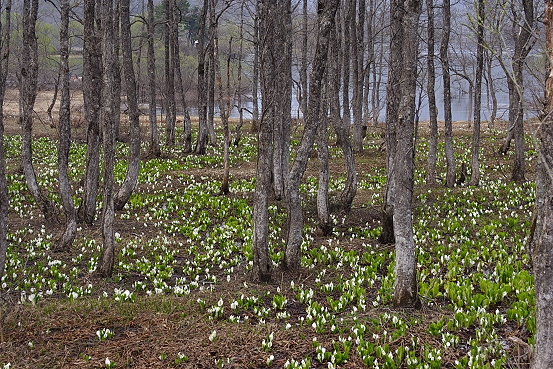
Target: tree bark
27, 97
107, 259
201, 143
406, 287
213, 25
5, 33
326, 22
170, 121
64, 129
432, 108
449, 150
358, 78
475, 162
131, 179
92, 83
323, 206
155, 149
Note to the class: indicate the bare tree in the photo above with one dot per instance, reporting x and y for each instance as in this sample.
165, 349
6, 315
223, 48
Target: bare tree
326, 21
131, 179
202, 138
64, 129
154, 133
358, 48
27, 97
431, 87
171, 118
444, 56
5, 33
92, 83
107, 259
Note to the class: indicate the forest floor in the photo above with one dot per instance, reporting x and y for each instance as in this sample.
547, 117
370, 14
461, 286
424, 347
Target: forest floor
182, 295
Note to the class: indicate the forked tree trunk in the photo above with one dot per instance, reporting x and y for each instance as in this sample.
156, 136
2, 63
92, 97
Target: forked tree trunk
27, 96
92, 83
444, 55
475, 162
406, 286
107, 258
5, 30
154, 132
325, 20
432, 108
131, 179
64, 129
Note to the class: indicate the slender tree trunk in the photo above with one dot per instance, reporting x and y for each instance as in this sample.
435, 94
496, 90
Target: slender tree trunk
155, 149
223, 110
542, 245
64, 129
201, 143
449, 151
116, 72
304, 60
131, 179
491, 89
326, 18
107, 259
432, 108
27, 96
349, 18
170, 124
475, 163
323, 206
92, 83
256, 74
5, 33
213, 25
238, 131
406, 288
358, 78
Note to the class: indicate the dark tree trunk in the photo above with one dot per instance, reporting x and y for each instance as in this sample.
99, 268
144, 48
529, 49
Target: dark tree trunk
154, 132
92, 83
27, 96
348, 19
171, 119
444, 55
201, 143
107, 259
358, 77
475, 162
5, 31
326, 19
116, 72
64, 129
131, 179
213, 25
432, 108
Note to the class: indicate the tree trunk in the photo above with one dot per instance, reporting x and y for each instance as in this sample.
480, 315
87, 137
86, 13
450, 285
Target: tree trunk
64, 129
107, 259
170, 120
432, 108
406, 289
358, 78
491, 88
346, 69
116, 72
223, 110
5, 31
92, 83
154, 133
449, 151
27, 96
323, 206
238, 131
131, 179
326, 17
475, 163
201, 143
304, 60
213, 25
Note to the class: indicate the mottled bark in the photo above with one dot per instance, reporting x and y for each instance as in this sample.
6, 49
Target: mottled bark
64, 130
432, 174
131, 179
27, 97
154, 132
201, 143
171, 118
92, 83
358, 49
325, 20
323, 205
5, 30
444, 56
107, 258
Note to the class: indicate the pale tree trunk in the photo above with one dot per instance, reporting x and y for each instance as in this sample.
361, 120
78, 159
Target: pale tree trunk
262, 263
5, 30
27, 96
201, 143
475, 163
213, 25
304, 59
542, 245
491, 88
343, 138
358, 49
444, 55
432, 108
107, 259
117, 72
224, 111
348, 19
64, 129
323, 206
131, 179
325, 20
92, 83
170, 123
154, 132
406, 288
394, 93
238, 130
256, 73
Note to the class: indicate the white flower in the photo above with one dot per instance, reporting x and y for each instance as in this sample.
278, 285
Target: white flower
213, 335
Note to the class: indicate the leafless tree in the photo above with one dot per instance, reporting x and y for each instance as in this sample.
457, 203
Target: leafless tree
431, 87
444, 56
155, 149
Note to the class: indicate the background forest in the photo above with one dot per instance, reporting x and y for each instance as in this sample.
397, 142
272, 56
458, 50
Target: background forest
275, 183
